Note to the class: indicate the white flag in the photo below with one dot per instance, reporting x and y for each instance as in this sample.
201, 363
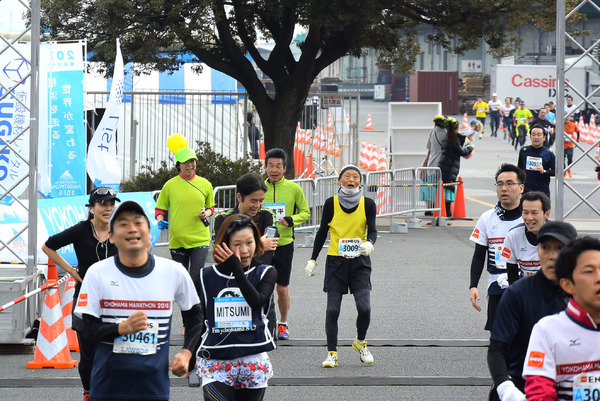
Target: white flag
102, 164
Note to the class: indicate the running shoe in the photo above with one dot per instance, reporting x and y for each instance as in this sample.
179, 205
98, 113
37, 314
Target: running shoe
365, 356
480, 136
570, 174
283, 333
86, 396
331, 361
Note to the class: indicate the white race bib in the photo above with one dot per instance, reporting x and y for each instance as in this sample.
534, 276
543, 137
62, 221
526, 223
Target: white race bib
499, 263
586, 387
480, 110
232, 313
532, 163
277, 208
349, 247
522, 119
143, 342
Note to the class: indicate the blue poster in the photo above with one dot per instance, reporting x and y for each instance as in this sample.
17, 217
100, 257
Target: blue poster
67, 133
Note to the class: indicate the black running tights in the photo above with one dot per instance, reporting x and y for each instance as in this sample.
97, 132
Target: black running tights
362, 298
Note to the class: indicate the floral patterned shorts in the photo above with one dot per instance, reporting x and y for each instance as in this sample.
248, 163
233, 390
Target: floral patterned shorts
252, 371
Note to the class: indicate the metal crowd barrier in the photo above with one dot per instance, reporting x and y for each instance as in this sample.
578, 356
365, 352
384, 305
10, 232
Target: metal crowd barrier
406, 191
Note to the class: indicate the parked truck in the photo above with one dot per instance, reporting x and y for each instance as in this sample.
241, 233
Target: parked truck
536, 84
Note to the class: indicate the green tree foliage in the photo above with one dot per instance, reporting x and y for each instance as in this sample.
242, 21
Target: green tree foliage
222, 33
213, 166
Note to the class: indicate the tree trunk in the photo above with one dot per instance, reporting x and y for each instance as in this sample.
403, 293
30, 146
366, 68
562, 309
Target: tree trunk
279, 118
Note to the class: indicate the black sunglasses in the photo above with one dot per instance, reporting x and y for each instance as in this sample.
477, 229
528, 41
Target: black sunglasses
238, 224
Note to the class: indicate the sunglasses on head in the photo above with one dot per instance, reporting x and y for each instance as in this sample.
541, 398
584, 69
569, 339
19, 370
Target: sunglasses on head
105, 191
237, 224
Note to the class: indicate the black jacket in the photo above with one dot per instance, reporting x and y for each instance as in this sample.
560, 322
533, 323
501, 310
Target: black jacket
450, 161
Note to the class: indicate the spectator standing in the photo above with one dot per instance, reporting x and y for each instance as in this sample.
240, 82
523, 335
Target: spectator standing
435, 145
488, 235
538, 162
453, 150
254, 135
286, 200
189, 200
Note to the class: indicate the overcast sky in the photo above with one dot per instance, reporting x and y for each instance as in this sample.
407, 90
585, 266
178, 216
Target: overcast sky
11, 16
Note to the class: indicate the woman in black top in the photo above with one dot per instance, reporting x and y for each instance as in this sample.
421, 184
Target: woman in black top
90, 242
454, 148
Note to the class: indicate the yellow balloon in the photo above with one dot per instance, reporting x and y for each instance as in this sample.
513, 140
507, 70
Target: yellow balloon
176, 142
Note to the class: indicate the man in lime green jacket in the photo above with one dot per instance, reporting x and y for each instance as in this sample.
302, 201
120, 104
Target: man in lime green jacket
288, 203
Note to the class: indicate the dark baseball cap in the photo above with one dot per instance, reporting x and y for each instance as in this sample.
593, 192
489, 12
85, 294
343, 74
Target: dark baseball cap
564, 232
101, 195
127, 206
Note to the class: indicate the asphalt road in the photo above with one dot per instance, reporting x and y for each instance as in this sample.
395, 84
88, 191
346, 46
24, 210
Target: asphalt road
427, 340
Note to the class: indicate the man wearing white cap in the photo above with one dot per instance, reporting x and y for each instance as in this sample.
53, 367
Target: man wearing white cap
350, 217
495, 107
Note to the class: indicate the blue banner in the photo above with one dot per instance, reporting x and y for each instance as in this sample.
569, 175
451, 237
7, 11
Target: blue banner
62, 213
67, 132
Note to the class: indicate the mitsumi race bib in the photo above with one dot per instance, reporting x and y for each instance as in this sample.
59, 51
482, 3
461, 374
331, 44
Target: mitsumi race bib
586, 387
232, 314
143, 342
349, 247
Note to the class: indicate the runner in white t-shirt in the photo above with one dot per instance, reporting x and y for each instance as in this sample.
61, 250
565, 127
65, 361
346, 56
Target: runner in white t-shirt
495, 108
126, 303
489, 234
563, 357
520, 245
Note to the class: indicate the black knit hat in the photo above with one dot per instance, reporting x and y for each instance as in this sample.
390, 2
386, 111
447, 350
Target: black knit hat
349, 167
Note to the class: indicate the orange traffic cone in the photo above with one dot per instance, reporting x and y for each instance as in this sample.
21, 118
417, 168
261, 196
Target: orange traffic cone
67, 308
362, 157
369, 125
261, 151
465, 122
441, 203
52, 344
329, 123
459, 211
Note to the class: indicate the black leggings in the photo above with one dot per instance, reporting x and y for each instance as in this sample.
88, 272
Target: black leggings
86, 357
193, 260
217, 391
362, 298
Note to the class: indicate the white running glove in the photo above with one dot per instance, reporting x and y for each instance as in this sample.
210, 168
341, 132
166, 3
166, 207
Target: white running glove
366, 248
310, 268
507, 391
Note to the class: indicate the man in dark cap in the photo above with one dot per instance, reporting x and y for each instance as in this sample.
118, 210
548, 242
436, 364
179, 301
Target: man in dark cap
523, 304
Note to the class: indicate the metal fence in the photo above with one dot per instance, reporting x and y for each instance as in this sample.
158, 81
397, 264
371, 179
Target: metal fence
218, 118
405, 191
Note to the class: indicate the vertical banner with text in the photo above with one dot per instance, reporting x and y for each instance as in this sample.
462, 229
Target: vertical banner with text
14, 122
103, 166
63, 147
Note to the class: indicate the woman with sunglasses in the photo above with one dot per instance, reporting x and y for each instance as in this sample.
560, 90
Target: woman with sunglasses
90, 242
235, 298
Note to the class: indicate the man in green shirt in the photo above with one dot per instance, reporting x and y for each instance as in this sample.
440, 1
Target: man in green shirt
521, 118
286, 200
